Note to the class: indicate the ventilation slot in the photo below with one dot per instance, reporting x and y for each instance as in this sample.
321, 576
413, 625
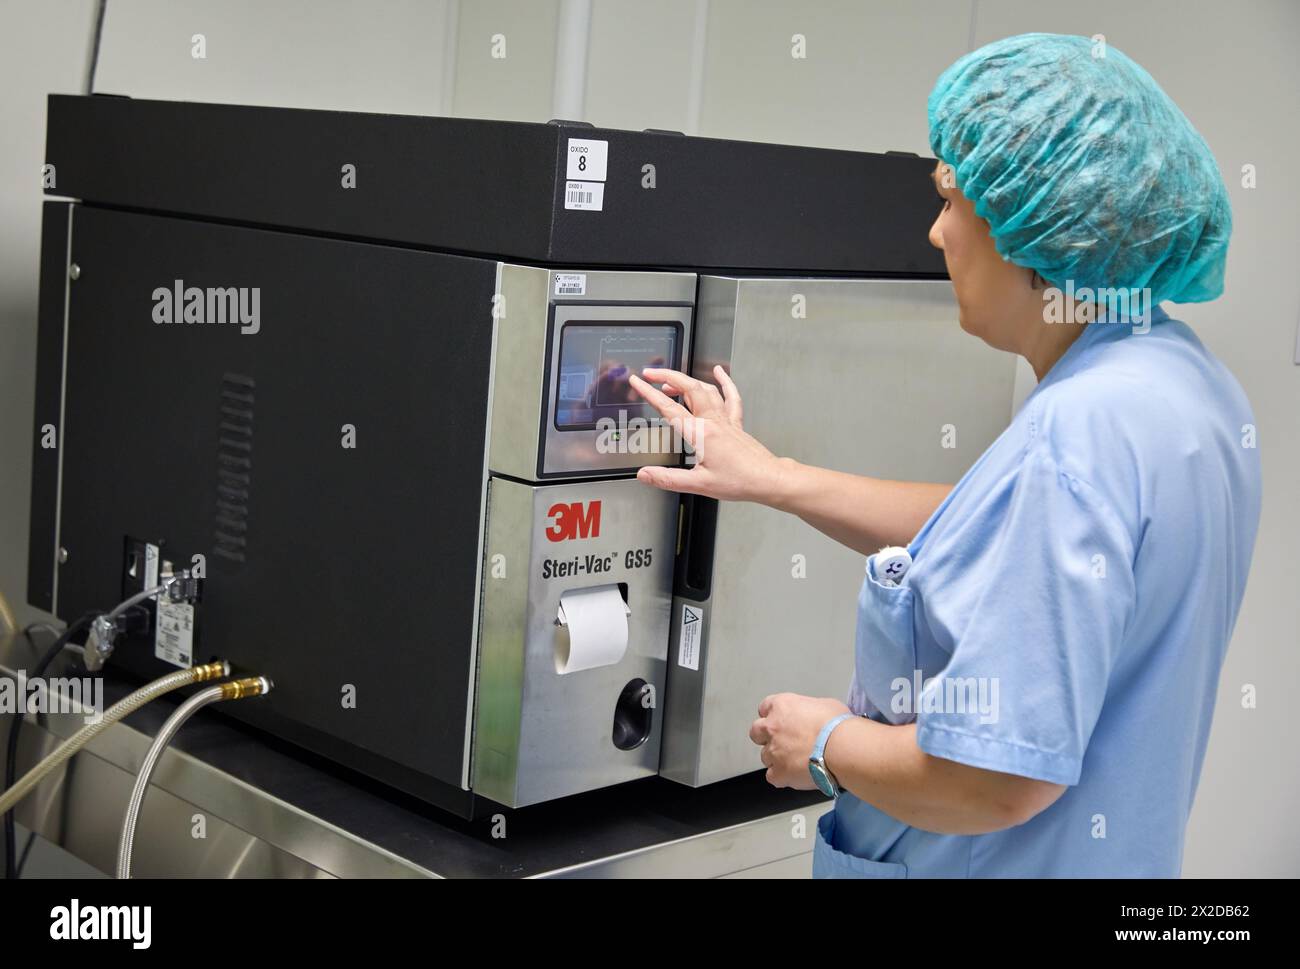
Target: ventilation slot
234, 466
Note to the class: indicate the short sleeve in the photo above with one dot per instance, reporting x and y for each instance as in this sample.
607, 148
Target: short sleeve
1044, 610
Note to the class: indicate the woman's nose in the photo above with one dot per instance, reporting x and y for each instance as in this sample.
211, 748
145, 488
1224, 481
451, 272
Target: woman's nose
936, 236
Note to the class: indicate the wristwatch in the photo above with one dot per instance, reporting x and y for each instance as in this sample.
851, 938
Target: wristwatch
821, 775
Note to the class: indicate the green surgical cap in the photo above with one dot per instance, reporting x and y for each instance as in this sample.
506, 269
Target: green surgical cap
1084, 168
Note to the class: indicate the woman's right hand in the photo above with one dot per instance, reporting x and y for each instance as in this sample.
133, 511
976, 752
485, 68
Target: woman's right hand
729, 464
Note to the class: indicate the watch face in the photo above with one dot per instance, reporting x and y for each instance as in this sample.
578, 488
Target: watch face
821, 777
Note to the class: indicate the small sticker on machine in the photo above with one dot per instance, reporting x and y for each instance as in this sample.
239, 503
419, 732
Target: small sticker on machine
688, 643
570, 284
150, 566
174, 632
588, 159
584, 195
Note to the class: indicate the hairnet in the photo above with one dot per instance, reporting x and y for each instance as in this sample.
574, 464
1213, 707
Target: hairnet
1083, 167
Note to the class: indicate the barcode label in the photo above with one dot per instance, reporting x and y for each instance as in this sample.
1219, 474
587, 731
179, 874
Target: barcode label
570, 284
584, 195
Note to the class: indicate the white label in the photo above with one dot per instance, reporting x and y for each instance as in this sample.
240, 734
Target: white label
174, 633
688, 643
587, 159
584, 195
150, 566
570, 284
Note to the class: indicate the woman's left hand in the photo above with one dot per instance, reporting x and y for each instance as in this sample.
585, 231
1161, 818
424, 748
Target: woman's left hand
786, 729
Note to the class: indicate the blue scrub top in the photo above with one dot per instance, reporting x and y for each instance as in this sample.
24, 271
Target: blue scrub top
1072, 599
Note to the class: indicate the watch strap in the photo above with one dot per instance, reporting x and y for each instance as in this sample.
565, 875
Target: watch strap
819, 745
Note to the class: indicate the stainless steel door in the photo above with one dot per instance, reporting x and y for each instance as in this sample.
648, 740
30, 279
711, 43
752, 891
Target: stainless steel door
873, 377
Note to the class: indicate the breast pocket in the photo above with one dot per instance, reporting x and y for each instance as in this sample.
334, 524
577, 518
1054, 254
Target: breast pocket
830, 862
885, 648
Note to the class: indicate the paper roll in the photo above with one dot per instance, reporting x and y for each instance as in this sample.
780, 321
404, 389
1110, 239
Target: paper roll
593, 629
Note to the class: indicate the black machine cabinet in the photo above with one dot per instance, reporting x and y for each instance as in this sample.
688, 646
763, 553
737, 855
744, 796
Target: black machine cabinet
333, 567
332, 458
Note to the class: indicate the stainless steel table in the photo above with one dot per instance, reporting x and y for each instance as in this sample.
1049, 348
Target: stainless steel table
229, 802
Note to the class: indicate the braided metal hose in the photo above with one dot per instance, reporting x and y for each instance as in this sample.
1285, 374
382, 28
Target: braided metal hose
234, 690
119, 710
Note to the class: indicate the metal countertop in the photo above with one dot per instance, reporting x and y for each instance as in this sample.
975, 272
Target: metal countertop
266, 808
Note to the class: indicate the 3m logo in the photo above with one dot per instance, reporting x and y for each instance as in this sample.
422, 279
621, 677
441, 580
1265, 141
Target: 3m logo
574, 521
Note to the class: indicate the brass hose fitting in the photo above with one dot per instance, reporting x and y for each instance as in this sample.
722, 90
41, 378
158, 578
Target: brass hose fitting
249, 686
210, 671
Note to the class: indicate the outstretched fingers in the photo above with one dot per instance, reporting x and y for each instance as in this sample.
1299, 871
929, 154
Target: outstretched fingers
702, 397
686, 481
730, 394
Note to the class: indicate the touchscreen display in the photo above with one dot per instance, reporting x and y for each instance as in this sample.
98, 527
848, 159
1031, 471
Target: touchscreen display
596, 360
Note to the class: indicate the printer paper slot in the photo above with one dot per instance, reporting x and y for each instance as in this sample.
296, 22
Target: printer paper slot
592, 628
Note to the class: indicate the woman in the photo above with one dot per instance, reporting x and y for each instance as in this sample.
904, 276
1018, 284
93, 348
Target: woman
1086, 572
